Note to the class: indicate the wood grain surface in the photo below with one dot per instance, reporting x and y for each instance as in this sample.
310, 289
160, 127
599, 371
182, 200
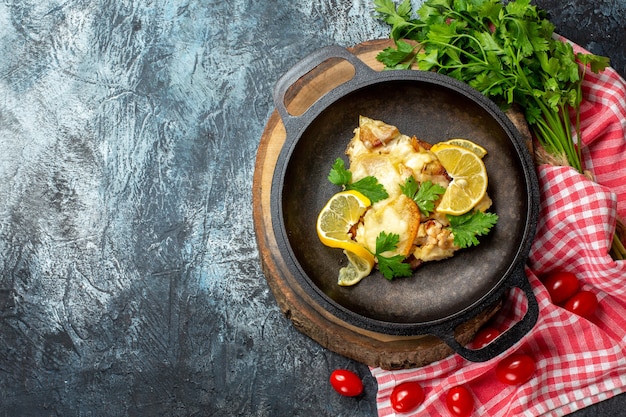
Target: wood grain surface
130, 280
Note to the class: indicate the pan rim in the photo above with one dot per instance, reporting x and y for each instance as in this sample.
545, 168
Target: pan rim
335, 308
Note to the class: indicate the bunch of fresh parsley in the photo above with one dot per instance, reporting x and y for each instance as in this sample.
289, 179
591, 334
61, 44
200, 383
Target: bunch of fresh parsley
508, 52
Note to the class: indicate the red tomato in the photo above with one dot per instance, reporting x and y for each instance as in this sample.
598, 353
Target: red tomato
561, 286
515, 369
485, 336
346, 382
583, 303
407, 396
460, 401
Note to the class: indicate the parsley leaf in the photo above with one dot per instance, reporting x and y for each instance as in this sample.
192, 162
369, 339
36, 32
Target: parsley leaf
390, 13
467, 226
399, 18
339, 175
386, 242
597, 63
424, 195
402, 57
368, 186
390, 266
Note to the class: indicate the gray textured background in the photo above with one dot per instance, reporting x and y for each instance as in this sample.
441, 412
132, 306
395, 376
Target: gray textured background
130, 282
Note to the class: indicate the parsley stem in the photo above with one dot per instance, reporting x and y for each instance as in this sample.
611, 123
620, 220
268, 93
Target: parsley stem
553, 128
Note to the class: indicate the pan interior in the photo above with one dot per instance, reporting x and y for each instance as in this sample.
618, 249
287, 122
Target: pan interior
437, 289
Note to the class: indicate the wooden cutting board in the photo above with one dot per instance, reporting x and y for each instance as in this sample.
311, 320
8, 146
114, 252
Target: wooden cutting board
370, 348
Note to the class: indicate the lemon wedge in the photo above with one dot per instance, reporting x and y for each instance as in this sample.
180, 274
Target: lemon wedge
469, 178
468, 144
357, 269
339, 215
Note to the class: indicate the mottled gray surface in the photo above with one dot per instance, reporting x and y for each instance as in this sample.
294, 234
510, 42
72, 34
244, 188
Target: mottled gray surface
130, 280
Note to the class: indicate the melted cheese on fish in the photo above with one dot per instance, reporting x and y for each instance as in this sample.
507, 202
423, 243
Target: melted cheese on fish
398, 215
381, 151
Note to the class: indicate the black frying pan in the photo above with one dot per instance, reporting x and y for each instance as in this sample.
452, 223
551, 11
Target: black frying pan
440, 295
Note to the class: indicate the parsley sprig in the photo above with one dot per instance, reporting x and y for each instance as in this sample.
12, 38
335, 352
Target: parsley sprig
390, 266
424, 195
368, 186
465, 229
467, 226
508, 52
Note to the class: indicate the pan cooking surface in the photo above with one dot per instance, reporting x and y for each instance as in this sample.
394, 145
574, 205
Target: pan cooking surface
437, 289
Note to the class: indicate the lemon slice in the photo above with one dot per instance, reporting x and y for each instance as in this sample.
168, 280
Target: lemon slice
357, 269
469, 178
468, 144
335, 220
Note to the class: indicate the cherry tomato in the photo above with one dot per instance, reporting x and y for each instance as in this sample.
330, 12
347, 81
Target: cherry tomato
346, 382
460, 401
515, 369
583, 303
407, 396
561, 286
485, 336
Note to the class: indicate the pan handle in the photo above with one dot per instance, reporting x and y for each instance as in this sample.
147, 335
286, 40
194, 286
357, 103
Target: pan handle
306, 65
511, 336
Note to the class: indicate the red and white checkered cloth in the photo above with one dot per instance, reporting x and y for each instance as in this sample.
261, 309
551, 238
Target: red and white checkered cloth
578, 362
